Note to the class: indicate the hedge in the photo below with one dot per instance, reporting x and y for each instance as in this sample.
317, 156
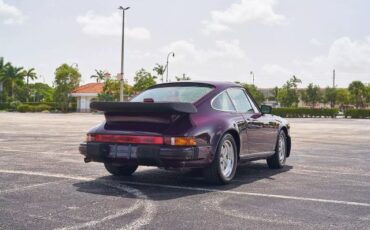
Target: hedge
357, 113
4, 106
32, 108
304, 112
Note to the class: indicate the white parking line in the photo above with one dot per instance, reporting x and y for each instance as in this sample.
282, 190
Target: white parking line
149, 208
30, 186
192, 188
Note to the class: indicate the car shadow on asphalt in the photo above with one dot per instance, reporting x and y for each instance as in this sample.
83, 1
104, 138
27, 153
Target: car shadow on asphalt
158, 184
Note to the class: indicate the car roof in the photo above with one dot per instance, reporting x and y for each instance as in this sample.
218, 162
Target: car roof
213, 84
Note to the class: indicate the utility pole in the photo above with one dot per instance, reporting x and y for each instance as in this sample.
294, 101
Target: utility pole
121, 87
333, 78
168, 55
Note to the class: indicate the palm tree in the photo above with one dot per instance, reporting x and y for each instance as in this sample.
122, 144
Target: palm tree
30, 74
100, 75
159, 69
12, 75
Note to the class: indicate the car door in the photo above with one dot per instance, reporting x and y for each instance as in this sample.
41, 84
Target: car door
262, 130
222, 102
243, 106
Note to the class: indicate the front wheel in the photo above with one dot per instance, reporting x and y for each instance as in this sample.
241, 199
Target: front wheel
120, 170
277, 161
222, 170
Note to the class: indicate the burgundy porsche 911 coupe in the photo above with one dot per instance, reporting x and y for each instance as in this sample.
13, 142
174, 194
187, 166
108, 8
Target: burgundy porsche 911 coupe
206, 125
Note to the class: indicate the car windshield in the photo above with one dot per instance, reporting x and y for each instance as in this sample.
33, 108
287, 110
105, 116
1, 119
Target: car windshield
188, 94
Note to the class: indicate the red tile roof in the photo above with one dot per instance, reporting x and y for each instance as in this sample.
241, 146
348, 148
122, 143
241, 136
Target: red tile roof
89, 88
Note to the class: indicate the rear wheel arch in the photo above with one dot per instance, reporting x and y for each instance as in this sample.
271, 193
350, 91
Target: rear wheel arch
289, 144
236, 137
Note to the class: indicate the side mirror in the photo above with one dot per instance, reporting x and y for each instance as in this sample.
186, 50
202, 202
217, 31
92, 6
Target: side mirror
266, 109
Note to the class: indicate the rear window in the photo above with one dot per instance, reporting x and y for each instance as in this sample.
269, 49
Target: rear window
188, 94
222, 102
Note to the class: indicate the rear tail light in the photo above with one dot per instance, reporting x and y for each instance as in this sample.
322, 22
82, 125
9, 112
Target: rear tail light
153, 140
180, 141
125, 139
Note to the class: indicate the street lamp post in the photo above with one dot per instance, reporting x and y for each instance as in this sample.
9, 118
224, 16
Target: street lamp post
121, 88
168, 56
252, 73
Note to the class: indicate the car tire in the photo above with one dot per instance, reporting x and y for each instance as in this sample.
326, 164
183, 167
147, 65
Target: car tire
120, 170
223, 167
277, 161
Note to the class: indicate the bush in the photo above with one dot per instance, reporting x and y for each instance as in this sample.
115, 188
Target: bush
4, 106
13, 105
23, 108
304, 112
41, 108
357, 113
32, 108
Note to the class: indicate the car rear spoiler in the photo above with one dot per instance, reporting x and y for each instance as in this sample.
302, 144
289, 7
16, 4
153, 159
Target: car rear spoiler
140, 108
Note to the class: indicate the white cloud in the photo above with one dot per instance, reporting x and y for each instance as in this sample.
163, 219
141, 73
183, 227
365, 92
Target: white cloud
245, 11
345, 54
223, 49
98, 25
10, 14
222, 61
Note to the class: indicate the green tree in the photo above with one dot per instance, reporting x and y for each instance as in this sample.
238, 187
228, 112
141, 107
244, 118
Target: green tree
67, 78
100, 75
2, 69
41, 92
256, 94
275, 92
288, 94
159, 69
342, 97
358, 93
368, 93
30, 74
330, 96
312, 95
111, 90
143, 80
183, 78
12, 76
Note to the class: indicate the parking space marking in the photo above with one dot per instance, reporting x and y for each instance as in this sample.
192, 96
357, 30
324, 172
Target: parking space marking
216, 206
149, 208
90, 224
325, 171
285, 197
333, 157
250, 194
42, 152
31, 186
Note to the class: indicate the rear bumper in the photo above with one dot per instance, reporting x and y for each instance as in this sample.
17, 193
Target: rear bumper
152, 155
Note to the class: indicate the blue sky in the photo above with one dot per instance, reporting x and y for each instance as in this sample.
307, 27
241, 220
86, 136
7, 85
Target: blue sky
212, 40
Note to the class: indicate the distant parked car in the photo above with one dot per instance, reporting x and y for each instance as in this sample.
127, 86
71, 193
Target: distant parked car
207, 125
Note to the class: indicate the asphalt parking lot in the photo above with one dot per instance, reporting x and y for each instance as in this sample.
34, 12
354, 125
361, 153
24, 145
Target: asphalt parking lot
44, 183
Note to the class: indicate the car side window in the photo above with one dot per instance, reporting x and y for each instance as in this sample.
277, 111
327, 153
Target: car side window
222, 102
255, 108
240, 100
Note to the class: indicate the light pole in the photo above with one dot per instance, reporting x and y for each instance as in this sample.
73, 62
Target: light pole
168, 56
252, 73
122, 51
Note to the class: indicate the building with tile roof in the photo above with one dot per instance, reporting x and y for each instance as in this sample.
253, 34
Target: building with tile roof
85, 94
